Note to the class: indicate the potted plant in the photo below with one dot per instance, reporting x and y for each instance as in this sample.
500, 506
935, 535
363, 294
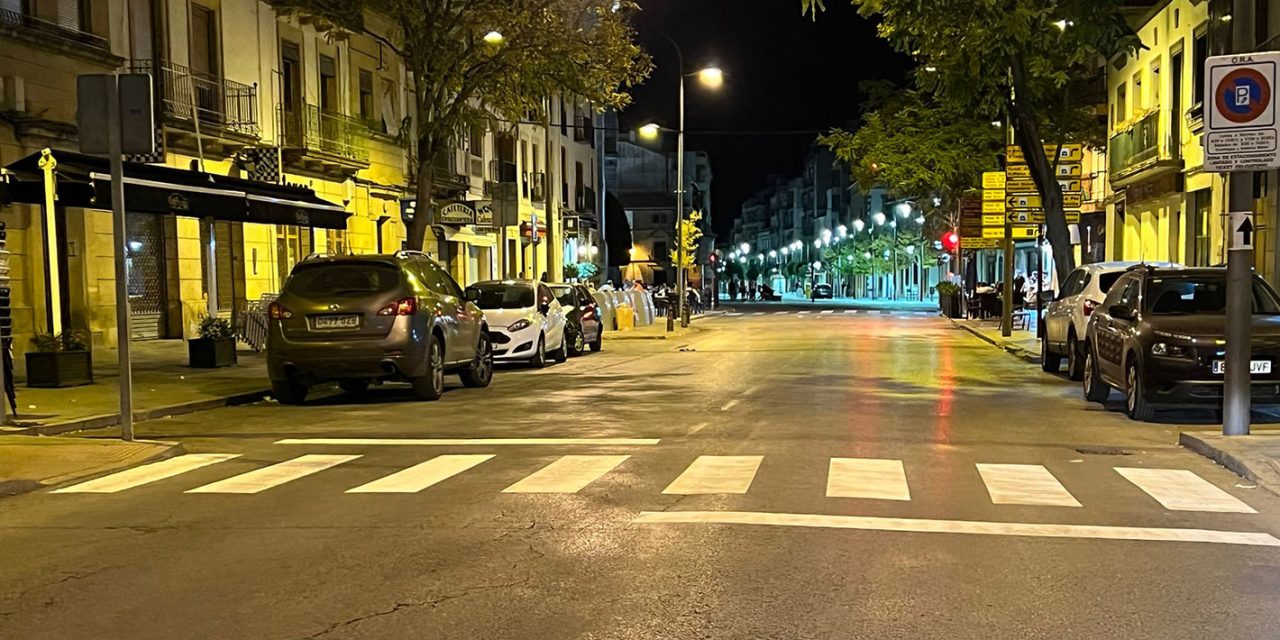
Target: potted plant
216, 346
61, 360
950, 300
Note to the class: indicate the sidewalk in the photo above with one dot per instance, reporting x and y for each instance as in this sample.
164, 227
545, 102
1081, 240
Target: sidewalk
1022, 344
658, 330
1255, 457
31, 463
163, 384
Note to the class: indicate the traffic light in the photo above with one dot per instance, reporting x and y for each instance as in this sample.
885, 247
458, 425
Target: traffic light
950, 240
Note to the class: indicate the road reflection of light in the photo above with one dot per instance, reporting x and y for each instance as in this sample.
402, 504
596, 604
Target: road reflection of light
946, 394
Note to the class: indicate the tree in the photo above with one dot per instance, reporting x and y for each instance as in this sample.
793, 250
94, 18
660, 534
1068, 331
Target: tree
1021, 61
690, 233
916, 145
472, 61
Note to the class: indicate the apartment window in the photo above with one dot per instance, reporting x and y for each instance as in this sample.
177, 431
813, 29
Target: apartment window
1200, 224
564, 124
1122, 111
1261, 21
366, 95
336, 242
1154, 100
328, 83
390, 108
475, 141
291, 75
1199, 53
1137, 92
577, 181
292, 245
204, 41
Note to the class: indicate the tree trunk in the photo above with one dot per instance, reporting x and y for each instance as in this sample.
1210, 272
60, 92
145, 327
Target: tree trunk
424, 208
1026, 129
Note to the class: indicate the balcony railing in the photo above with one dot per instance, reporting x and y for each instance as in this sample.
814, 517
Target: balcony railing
20, 20
315, 129
1138, 147
219, 103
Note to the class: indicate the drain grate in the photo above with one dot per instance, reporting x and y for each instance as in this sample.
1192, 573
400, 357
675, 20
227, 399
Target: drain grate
1102, 451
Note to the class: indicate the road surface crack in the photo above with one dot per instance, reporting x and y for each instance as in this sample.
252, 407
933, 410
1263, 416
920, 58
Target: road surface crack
403, 606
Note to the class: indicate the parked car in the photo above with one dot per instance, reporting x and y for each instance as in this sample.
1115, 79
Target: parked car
361, 319
1159, 337
526, 322
1066, 317
822, 292
583, 318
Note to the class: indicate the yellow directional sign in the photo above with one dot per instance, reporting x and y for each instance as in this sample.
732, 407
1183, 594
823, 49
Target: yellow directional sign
1068, 153
1068, 171
1022, 201
993, 180
1018, 171
980, 243
1070, 186
992, 219
989, 195
993, 207
1020, 185
1019, 232
1036, 216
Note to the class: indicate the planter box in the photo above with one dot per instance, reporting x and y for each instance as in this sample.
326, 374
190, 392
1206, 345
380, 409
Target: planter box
207, 353
952, 305
53, 369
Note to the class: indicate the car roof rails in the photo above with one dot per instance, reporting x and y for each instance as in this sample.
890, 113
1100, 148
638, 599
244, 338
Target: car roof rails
404, 253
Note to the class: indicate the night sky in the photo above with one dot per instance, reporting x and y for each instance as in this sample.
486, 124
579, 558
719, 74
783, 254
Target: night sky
782, 72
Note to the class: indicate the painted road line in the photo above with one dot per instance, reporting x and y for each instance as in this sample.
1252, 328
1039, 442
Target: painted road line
716, 474
781, 313
147, 474
274, 475
867, 478
471, 442
801, 313
827, 312
1024, 484
730, 404
870, 523
758, 313
569, 474
1182, 490
422, 475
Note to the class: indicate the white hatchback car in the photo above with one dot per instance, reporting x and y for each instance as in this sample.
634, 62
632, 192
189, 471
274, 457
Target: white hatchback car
1067, 316
526, 322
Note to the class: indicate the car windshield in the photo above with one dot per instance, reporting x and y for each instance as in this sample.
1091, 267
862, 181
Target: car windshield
565, 296
503, 296
343, 279
1202, 295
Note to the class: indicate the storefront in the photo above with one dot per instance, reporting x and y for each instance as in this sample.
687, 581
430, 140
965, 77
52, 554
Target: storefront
469, 250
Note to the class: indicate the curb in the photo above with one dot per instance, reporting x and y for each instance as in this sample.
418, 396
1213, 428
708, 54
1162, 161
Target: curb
104, 421
12, 488
1268, 479
1016, 351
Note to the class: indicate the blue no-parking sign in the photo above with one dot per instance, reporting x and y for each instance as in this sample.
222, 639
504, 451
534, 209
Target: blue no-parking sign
1241, 132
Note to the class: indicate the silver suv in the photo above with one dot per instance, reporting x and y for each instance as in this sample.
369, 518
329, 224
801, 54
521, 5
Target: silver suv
360, 319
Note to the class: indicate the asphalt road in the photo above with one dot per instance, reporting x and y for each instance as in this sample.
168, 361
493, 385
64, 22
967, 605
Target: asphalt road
838, 475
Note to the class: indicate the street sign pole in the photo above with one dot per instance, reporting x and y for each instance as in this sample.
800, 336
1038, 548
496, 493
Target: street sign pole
1006, 314
1237, 390
116, 156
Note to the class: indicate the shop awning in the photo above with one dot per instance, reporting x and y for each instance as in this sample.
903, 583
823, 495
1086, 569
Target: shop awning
85, 181
469, 236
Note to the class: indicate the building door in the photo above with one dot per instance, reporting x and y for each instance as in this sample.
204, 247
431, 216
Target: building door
227, 252
206, 63
146, 286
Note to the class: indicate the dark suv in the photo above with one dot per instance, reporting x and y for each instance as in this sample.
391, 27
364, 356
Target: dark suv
360, 319
1159, 337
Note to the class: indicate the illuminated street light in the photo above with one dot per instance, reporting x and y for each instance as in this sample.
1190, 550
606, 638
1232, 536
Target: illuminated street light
920, 220
746, 248
817, 264
711, 77
903, 209
866, 254
785, 251
760, 257
910, 249
773, 254
878, 217
817, 244
894, 224
843, 231
859, 225
493, 37
826, 234
742, 260
649, 131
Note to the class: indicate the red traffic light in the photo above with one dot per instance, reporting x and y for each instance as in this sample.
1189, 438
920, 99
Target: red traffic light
950, 240
713, 258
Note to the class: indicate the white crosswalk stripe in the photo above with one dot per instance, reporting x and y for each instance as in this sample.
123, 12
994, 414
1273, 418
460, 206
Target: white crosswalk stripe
827, 312
422, 475
867, 478
274, 475
1182, 490
148, 473
569, 474
781, 313
801, 313
758, 313
716, 474
1029, 484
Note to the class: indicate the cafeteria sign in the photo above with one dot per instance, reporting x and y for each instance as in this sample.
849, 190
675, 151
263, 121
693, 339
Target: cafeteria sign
456, 213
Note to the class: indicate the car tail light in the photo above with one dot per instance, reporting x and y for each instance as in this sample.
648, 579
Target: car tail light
402, 307
277, 311
1089, 306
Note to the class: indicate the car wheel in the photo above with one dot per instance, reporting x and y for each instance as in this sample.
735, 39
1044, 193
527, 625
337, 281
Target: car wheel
1135, 400
289, 391
579, 342
562, 353
1075, 363
430, 386
480, 372
539, 359
1095, 390
598, 343
1050, 362
354, 386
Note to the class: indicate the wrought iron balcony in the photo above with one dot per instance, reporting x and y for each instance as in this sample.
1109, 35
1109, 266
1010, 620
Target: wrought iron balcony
220, 104
315, 130
1141, 147
46, 28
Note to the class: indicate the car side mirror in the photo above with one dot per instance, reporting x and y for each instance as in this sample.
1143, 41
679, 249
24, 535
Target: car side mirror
1120, 311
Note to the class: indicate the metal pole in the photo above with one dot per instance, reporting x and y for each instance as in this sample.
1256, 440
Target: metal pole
1236, 385
121, 264
1006, 313
895, 258
602, 201
680, 272
54, 278
550, 198
211, 279
1039, 283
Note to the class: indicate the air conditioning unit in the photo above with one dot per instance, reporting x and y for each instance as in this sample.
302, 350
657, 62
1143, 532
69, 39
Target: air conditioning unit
13, 93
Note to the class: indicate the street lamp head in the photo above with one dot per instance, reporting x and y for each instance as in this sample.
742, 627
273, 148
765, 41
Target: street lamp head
760, 257
773, 254
920, 220
817, 244
785, 251
742, 260
649, 131
817, 264
903, 209
911, 249
745, 247
595, 250
494, 38
843, 231
711, 77
878, 217
826, 234
859, 225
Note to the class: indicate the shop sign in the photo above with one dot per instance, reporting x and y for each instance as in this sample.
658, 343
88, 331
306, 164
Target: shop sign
456, 213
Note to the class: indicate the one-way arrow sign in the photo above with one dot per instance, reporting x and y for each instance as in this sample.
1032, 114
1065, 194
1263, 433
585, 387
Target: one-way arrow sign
1242, 229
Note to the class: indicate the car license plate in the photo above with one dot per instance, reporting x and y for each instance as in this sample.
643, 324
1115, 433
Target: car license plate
1255, 367
336, 322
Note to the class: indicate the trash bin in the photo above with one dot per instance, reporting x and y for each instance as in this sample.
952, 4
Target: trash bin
625, 316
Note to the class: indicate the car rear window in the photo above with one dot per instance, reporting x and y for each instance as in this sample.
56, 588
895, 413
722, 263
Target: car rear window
343, 279
1177, 296
503, 296
565, 296
1105, 280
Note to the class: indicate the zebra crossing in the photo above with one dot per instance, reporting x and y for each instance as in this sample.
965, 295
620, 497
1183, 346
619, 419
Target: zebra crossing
847, 478
827, 313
